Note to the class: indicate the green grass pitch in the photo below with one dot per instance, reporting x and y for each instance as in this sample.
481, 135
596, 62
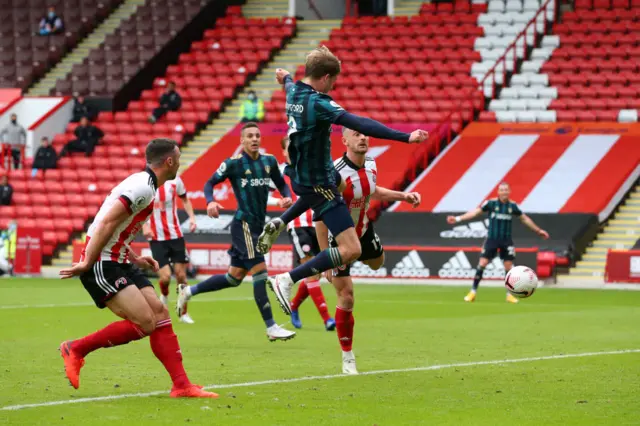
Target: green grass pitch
444, 355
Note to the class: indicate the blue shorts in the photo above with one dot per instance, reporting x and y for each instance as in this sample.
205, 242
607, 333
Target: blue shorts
328, 206
243, 245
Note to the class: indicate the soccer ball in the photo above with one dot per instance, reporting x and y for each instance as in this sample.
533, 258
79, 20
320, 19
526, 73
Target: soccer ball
521, 281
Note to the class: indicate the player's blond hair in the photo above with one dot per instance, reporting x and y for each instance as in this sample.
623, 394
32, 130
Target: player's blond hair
320, 62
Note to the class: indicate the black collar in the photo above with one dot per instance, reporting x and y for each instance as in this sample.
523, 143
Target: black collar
351, 163
154, 178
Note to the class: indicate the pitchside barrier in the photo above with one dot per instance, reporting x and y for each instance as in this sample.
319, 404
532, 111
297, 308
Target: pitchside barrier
406, 262
623, 266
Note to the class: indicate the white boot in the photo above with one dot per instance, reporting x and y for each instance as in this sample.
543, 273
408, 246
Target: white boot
275, 332
349, 363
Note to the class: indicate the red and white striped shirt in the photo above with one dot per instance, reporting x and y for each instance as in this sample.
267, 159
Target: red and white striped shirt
360, 185
136, 193
164, 222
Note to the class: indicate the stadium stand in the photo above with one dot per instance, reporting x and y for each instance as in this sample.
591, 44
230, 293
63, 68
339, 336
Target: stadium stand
25, 56
588, 67
122, 54
207, 76
426, 59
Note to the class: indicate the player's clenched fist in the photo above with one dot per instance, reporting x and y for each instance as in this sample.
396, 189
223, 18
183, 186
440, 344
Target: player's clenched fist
413, 198
418, 136
281, 74
213, 209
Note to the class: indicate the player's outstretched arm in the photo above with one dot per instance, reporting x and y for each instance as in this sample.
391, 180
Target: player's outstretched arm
188, 207
375, 129
389, 195
104, 230
284, 77
219, 176
467, 216
535, 228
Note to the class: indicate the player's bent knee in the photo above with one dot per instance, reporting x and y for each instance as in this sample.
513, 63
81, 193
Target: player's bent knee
345, 298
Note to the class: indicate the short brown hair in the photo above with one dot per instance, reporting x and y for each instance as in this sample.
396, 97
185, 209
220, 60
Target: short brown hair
248, 125
159, 149
320, 62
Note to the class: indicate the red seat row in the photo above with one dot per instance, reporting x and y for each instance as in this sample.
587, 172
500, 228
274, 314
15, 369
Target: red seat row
615, 104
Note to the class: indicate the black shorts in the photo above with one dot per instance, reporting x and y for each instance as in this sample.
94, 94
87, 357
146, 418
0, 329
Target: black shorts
328, 206
169, 251
305, 243
244, 237
105, 279
371, 249
491, 248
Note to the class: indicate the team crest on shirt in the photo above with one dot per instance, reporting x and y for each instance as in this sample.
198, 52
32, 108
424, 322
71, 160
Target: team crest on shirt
267, 169
510, 210
247, 172
122, 281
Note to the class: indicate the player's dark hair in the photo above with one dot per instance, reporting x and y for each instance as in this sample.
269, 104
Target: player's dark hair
248, 125
159, 149
320, 62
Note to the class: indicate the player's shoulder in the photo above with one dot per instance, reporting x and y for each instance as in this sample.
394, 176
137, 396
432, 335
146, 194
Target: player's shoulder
489, 202
140, 180
339, 163
235, 157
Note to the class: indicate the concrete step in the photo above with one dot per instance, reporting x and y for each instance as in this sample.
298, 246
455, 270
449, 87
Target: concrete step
612, 244
598, 250
617, 237
600, 257
590, 263
618, 230
627, 208
623, 222
628, 216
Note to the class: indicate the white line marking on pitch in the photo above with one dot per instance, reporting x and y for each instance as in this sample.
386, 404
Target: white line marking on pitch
327, 377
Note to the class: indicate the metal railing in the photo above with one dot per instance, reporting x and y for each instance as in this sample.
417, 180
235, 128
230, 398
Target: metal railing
468, 108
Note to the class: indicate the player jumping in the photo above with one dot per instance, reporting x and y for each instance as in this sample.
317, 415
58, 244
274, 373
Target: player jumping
108, 275
501, 212
166, 239
250, 174
310, 113
302, 234
358, 185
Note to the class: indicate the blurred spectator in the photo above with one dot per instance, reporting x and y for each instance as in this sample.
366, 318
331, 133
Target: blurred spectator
169, 101
81, 109
252, 109
14, 135
8, 247
6, 191
88, 136
51, 23
45, 158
